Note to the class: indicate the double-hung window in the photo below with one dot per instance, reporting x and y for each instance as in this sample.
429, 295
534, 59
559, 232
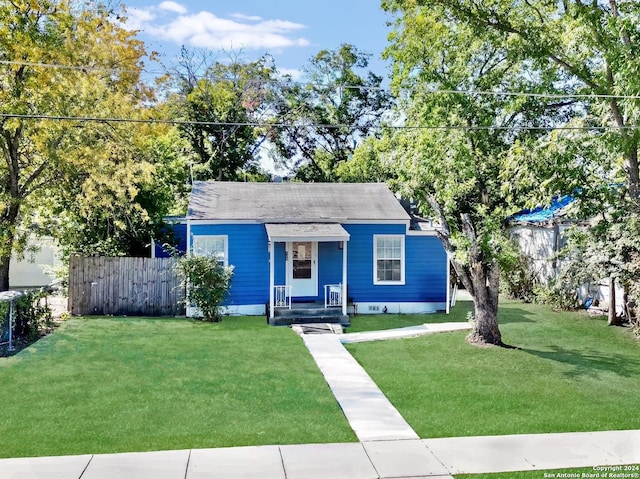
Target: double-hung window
215, 246
388, 259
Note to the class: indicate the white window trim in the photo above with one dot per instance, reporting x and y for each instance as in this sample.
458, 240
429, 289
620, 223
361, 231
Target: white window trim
402, 261
224, 238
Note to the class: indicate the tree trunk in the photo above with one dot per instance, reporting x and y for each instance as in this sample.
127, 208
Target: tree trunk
4, 273
612, 319
486, 280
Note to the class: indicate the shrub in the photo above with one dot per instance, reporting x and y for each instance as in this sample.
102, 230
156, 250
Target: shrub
519, 279
558, 294
32, 316
207, 283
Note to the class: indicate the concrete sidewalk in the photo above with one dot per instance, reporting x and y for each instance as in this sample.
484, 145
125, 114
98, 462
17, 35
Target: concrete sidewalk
366, 460
400, 333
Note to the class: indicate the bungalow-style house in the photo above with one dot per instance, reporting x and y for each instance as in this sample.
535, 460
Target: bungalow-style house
320, 250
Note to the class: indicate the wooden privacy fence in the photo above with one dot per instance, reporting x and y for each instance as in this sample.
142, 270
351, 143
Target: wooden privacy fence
124, 286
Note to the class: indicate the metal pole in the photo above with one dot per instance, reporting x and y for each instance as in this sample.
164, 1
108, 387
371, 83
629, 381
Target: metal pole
11, 348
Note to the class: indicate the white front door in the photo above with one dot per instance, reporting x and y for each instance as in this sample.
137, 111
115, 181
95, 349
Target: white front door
302, 268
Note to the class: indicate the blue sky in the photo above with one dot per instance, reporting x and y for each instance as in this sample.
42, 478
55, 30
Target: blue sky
292, 31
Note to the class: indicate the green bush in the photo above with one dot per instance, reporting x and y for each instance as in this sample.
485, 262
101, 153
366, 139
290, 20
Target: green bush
32, 316
207, 283
519, 280
558, 294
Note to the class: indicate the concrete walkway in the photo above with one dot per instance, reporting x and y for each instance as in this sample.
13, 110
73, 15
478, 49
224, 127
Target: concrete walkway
370, 414
399, 333
388, 447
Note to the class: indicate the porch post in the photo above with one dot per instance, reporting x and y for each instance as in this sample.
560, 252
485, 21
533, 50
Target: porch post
272, 247
345, 297
448, 308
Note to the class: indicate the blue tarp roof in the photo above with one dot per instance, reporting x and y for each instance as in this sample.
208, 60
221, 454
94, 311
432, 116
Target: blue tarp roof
543, 214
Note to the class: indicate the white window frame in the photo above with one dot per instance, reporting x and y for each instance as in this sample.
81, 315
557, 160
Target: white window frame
224, 238
402, 260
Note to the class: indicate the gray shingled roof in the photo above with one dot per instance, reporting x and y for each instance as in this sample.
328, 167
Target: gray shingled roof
293, 202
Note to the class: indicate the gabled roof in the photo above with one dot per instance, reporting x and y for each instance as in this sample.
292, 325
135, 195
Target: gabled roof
294, 202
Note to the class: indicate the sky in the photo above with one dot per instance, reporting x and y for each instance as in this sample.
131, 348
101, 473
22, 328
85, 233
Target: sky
292, 31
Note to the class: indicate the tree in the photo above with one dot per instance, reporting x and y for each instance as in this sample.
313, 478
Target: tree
328, 114
158, 190
63, 62
456, 144
223, 104
590, 47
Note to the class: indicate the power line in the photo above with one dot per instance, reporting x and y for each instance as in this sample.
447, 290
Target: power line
313, 125
579, 96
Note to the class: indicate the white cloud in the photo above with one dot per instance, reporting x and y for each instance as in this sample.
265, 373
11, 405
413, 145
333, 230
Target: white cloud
206, 30
137, 18
246, 18
173, 7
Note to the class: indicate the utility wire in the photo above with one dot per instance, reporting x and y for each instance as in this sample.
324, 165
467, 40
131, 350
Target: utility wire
313, 125
582, 96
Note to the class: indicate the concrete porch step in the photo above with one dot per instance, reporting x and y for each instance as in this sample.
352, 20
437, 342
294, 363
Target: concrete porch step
316, 318
306, 311
318, 328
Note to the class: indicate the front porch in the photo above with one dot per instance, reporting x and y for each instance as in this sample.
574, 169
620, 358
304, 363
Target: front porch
308, 273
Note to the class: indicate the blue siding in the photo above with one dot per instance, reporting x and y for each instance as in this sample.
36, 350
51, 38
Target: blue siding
425, 267
425, 264
179, 233
249, 256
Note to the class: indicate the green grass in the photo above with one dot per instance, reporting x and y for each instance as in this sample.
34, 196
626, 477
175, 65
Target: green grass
583, 472
572, 373
376, 322
128, 384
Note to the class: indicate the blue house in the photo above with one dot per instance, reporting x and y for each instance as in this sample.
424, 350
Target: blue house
334, 248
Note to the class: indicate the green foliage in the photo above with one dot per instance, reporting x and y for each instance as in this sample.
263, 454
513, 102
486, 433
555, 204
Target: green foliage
519, 278
127, 225
90, 166
32, 316
338, 107
558, 294
457, 145
207, 283
224, 100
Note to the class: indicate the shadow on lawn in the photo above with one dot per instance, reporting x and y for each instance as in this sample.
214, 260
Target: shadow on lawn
508, 315
590, 363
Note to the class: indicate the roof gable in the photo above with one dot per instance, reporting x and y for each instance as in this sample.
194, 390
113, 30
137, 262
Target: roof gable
293, 202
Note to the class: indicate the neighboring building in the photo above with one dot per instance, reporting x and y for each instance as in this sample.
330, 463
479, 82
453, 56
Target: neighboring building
31, 272
540, 236
539, 233
331, 246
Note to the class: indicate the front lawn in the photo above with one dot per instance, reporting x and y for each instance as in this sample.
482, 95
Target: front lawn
100, 385
572, 373
377, 322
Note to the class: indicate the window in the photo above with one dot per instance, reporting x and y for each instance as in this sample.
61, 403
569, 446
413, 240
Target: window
211, 246
388, 261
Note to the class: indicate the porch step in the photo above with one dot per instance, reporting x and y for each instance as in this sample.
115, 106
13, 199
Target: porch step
308, 312
315, 318
317, 328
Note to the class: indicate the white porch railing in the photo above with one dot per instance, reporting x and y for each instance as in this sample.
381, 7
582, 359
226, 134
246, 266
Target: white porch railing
282, 296
332, 295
